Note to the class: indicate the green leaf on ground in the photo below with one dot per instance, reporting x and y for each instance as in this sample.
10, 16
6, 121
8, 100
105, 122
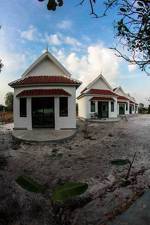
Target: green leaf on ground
29, 184
120, 162
68, 190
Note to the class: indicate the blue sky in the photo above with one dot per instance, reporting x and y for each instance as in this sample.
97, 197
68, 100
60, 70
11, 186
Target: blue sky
79, 41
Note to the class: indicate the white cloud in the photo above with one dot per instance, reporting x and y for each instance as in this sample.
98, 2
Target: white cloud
13, 63
64, 24
31, 34
87, 67
54, 39
71, 41
59, 39
132, 68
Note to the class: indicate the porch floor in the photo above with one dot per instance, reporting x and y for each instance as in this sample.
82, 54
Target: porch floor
44, 135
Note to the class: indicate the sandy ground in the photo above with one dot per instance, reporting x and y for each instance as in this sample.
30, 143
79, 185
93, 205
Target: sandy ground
79, 159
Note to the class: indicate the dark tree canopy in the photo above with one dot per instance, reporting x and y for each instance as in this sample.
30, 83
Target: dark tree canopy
132, 27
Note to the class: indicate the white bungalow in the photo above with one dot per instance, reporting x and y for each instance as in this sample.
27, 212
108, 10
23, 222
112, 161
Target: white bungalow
97, 100
133, 105
123, 101
45, 96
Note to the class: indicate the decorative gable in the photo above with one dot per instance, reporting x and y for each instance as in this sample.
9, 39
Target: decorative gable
98, 83
120, 91
101, 84
46, 65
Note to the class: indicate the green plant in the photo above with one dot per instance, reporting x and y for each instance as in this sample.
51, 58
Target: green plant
68, 190
120, 162
123, 162
59, 198
30, 185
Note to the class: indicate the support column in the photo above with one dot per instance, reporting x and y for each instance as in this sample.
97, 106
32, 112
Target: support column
29, 113
56, 111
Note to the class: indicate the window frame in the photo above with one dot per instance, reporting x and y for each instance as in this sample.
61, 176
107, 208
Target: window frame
61, 113
23, 108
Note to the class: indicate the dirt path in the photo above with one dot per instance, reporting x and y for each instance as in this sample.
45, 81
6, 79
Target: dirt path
80, 159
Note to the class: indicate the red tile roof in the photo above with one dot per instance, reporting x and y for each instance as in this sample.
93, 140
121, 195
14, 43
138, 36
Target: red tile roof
43, 80
101, 92
122, 102
43, 92
101, 98
122, 98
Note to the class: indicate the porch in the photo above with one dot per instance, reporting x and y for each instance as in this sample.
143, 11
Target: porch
43, 135
103, 108
106, 120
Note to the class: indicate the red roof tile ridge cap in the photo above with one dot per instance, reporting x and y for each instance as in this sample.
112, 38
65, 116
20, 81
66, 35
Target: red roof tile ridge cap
64, 76
103, 90
123, 96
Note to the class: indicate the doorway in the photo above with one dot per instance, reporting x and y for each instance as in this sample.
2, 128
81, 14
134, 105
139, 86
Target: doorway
43, 112
121, 108
103, 109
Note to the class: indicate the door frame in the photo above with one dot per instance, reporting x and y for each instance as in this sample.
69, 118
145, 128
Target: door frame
100, 112
38, 127
124, 106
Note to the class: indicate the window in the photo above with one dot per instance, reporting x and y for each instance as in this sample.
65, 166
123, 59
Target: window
112, 106
92, 106
63, 106
23, 107
126, 106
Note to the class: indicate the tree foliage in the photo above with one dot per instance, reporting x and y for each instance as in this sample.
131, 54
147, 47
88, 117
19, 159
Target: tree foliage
132, 27
1, 65
9, 101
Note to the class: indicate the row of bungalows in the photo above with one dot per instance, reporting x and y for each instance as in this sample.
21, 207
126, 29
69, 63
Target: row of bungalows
99, 100
45, 97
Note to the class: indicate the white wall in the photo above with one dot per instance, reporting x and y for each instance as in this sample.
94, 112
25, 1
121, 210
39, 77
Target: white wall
136, 111
22, 122
84, 107
113, 114
46, 67
60, 122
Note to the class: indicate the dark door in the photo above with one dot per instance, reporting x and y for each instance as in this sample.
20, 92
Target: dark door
121, 109
103, 109
130, 109
43, 112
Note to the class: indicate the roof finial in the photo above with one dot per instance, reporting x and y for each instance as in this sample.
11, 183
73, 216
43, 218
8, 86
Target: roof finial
47, 47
